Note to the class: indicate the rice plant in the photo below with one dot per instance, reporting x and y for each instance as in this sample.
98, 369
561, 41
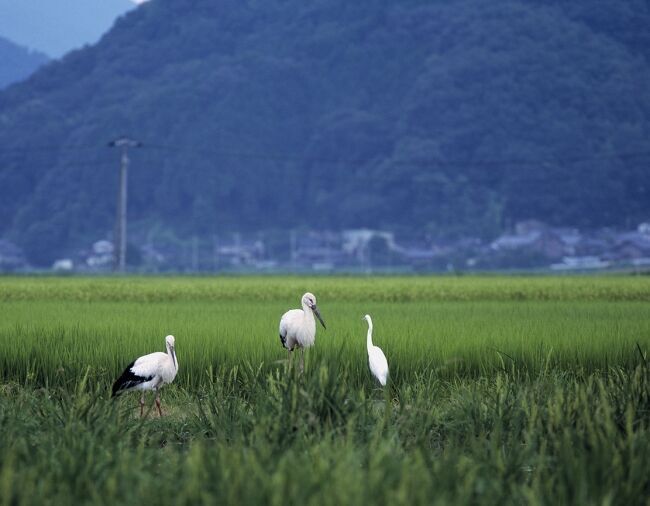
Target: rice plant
491, 400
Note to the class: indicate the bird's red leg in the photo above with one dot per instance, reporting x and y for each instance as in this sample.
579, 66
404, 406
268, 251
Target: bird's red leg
302, 360
142, 405
158, 404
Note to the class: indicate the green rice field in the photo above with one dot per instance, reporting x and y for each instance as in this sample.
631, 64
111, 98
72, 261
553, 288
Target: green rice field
503, 390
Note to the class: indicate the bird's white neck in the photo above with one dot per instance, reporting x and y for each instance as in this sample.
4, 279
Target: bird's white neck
308, 313
369, 338
172, 353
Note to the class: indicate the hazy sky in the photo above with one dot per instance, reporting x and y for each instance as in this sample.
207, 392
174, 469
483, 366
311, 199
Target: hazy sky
56, 27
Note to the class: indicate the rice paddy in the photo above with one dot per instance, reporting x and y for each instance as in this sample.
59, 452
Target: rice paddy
502, 390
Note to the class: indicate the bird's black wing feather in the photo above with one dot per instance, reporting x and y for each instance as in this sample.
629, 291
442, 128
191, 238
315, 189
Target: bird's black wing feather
128, 379
283, 340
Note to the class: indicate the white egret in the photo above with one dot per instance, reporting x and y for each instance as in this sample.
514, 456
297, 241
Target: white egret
149, 372
298, 327
376, 358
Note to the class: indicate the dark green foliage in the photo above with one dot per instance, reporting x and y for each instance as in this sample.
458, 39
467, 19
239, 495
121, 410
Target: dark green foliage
450, 117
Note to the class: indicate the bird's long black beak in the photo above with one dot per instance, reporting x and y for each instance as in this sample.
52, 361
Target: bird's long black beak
314, 308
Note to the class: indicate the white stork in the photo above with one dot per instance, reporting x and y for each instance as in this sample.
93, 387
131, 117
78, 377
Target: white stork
376, 358
298, 327
149, 372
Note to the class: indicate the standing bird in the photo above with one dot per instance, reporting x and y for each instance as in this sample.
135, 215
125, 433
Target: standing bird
376, 358
149, 372
298, 327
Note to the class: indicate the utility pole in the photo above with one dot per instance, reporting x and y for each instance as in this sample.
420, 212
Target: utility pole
119, 247
195, 254
215, 252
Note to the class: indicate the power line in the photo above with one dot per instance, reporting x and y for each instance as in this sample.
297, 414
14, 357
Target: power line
274, 170
71, 147
382, 176
279, 157
414, 163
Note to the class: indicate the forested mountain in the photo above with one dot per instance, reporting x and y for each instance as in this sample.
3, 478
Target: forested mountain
452, 117
56, 27
17, 63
